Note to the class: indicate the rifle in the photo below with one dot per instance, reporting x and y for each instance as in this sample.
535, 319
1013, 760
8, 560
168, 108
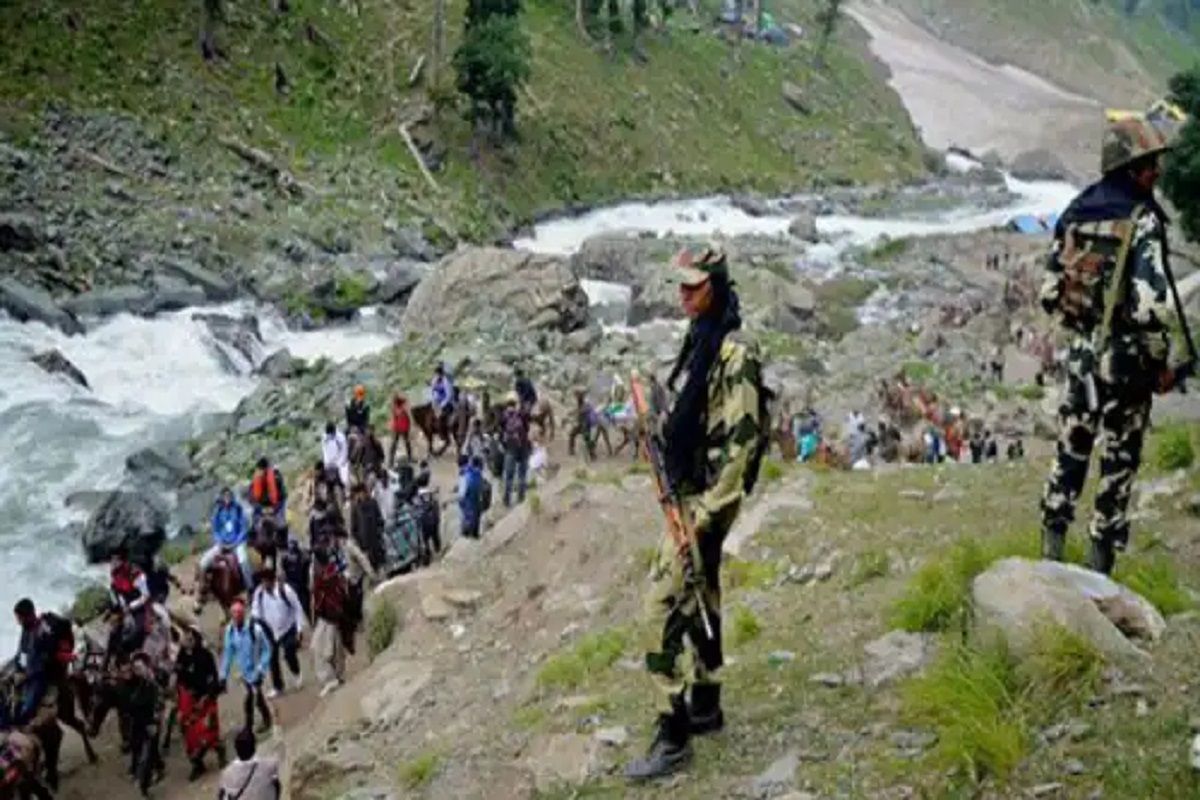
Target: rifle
681, 532
1183, 371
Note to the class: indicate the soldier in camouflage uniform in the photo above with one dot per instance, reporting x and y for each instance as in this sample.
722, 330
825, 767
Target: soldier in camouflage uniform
713, 442
1106, 281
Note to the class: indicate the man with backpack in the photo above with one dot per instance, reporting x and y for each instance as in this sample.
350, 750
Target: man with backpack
330, 598
1108, 283
248, 645
470, 496
514, 430
712, 443
268, 495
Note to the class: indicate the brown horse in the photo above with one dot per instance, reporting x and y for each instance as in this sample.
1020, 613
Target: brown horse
44, 734
222, 581
542, 415
454, 429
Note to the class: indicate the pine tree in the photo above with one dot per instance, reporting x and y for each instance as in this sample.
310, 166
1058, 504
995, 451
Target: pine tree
492, 63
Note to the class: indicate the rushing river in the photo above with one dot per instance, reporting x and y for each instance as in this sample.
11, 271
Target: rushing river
152, 380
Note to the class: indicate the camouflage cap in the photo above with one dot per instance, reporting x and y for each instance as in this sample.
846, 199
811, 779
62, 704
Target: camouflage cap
694, 268
1127, 140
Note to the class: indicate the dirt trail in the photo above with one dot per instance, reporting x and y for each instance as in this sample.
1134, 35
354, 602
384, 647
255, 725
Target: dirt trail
957, 98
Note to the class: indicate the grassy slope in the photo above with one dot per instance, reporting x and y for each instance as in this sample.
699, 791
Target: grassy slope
843, 735
593, 128
1088, 47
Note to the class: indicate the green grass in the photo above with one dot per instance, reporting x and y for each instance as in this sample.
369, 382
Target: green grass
938, 594
588, 657
772, 471
971, 699
741, 573
1156, 579
535, 503
889, 250
1061, 665
744, 626
418, 772
1173, 446
918, 371
175, 551
90, 602
1031, 392
869, 566
381, 628
351, 290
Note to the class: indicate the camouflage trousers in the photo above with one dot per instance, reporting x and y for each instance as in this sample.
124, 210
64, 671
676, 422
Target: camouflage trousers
1119, 413
686, 647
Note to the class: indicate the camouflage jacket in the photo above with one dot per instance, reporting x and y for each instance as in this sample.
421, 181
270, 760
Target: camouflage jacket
1138, 342
733, 422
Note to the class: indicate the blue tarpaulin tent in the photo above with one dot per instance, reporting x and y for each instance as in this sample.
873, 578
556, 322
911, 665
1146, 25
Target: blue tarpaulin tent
1033, 225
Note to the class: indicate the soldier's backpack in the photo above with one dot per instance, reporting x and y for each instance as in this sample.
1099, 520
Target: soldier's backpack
1089, 263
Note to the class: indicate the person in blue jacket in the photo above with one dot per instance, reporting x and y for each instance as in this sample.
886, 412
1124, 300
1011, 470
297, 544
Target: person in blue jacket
230, 531
470, 496
247, 645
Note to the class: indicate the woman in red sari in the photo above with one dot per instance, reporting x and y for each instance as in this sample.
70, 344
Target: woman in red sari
199, 686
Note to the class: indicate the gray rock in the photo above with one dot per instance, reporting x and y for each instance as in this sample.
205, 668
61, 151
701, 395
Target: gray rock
398, 283
239, 340
394, 684
563, 759
753, 205
175, 294
160, 466
56, 363
214, 287
1074, 766
614, 737
410, 242
793, 95
20, 232
28, 304
830, 680
1193, 505
897, 655
912, 742
1047, 789
277, 366
193, 506
779, 776
804, 228
124, 299
1040, 164
253, 423
129, 519
476, 284
1016, 596
612, 258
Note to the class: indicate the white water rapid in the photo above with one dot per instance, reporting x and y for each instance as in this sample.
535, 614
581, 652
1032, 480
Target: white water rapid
709, 216
152, 380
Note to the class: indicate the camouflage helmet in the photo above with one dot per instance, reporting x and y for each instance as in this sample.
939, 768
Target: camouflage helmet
695, 267
1127, 140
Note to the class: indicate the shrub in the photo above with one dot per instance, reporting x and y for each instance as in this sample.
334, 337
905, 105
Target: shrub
589, 656
772, 470
381, 628
970, 698
419, 771
869, 566
89, 603
1061, 664
745, 626
1173, 447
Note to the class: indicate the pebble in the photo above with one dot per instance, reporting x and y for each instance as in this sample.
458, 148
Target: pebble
913, 740
1074, 767
831, 680
779, 775
614, 737
1142, 709
779, 657
1046, 789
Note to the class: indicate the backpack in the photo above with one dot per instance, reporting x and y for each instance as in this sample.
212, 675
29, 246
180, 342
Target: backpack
329, 593
485, 493
1088, 268
516, 431
63, 634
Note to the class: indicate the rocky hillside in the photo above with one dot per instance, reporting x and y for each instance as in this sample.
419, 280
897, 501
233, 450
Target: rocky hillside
279, 164
1118, 51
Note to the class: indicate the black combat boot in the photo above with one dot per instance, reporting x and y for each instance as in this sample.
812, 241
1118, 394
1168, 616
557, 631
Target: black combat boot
1102, 556
1054, 543
670, 751
704, 713
197, 769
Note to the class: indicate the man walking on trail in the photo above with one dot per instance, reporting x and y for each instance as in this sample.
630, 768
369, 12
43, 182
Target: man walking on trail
514, 429
247, 645
277, 606
1107, 282
401, 428
713, 440
523, 386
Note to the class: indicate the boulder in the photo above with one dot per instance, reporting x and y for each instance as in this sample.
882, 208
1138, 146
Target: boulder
237, 339
175, 294
1016, 596
1039, 165
166, 466
394, 684
129, 519
20, 232
56, 363
398, 283
473, 283
214, 287
277, 366
410, 242
611, 258
656, 298
753, 205
29, 304
608, 302
795, 310
123, 299
563, 759
804, 227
